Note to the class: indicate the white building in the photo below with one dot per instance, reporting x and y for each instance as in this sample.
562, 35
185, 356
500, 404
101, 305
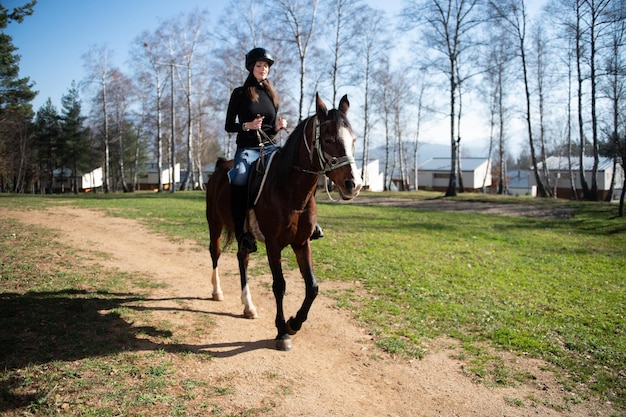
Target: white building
561, 174
374, 179
150, 179
434, 174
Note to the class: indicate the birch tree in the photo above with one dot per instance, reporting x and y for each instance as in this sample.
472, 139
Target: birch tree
188, 37
496, 81
97, 66
298, 18
120, 96
514, 16
347, 19
374, 44
447, 28
152, 76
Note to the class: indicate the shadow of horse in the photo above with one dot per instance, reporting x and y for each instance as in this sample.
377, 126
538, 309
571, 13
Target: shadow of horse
69, 325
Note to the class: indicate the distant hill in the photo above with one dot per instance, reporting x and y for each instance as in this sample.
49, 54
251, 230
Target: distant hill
426, 151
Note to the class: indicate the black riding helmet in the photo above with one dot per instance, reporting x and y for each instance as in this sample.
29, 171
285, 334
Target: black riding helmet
258, 54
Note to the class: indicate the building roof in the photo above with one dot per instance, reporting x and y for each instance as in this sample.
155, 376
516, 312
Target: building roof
561, 163
443, 164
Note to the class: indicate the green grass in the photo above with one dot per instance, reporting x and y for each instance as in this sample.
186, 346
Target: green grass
551, 289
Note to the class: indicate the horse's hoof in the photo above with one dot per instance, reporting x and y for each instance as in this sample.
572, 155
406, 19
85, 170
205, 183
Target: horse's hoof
218, 296
284, 345
290, 330
250, 313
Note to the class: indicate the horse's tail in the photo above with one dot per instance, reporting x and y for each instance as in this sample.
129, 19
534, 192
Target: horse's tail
228, 238
215, 187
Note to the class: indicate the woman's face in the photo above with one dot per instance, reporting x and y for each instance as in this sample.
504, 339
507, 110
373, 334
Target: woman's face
261, 70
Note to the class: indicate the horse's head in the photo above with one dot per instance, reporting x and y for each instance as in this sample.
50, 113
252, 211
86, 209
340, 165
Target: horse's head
336, 147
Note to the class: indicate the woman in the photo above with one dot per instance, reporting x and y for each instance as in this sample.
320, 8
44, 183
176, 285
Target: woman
252, 114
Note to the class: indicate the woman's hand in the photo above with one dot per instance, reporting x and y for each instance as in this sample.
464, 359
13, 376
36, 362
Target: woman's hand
254, 124
280, 124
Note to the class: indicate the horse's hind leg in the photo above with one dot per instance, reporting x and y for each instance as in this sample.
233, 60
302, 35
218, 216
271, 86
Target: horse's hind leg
249, 310
214, 249
303, 256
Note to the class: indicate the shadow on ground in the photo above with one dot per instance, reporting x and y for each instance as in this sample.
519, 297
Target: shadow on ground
43, 327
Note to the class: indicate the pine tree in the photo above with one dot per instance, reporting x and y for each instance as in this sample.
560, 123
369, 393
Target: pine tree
47, 143
77, 150
16, 112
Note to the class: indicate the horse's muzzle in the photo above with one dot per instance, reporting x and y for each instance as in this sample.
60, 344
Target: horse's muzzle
350, 190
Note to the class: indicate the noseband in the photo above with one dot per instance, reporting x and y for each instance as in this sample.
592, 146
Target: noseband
327, 162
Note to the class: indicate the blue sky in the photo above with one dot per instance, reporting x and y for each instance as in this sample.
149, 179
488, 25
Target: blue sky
53, 40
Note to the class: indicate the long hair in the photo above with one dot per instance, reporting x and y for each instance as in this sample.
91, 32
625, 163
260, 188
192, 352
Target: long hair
251, 84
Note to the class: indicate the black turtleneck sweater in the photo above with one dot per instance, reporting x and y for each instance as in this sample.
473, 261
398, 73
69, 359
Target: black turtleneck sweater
241, 110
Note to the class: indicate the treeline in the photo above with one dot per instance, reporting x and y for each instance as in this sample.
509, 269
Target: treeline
560, 72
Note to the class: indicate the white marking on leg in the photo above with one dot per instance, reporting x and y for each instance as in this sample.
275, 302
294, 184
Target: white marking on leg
218, 295
249, 310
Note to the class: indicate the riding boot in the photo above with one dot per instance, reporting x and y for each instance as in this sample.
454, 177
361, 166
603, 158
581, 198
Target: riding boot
239, 208
318, 233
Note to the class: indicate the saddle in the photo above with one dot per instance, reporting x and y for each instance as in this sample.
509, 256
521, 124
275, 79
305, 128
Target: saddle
257, 176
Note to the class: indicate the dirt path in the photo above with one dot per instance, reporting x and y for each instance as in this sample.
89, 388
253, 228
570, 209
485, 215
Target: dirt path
498, 209
334, 368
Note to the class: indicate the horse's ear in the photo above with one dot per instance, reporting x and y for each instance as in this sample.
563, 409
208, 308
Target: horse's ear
344, 104
320, 107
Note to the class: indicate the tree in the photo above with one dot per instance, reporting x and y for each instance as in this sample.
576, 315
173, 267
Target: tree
99, 73
515, 19
189, 37
374, 43
421, 111
589, 25
347, 21
151, 77
382, 97
599, 21
75, 136
299, 17
447, 29
48, 143
400, 96
120, 90
16, 112
541, 66
614, 89
496, 79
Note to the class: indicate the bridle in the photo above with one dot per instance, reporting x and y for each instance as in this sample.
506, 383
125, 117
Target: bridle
326, 161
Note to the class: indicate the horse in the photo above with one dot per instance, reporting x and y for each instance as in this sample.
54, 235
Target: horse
285, 212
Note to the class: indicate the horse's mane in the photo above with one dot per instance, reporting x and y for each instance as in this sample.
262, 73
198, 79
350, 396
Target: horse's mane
284, 160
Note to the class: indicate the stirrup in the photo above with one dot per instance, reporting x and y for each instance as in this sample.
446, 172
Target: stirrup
318, 233
247, 243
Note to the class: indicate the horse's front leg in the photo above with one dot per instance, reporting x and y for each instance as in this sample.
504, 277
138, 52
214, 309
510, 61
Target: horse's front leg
249, 310
279, 285
305, 263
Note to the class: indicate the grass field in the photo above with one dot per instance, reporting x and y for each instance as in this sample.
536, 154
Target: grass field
550, 289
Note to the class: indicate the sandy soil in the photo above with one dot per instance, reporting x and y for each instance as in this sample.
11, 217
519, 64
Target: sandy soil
334, 368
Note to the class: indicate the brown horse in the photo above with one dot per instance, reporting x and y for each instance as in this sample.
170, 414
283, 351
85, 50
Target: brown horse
285, 212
